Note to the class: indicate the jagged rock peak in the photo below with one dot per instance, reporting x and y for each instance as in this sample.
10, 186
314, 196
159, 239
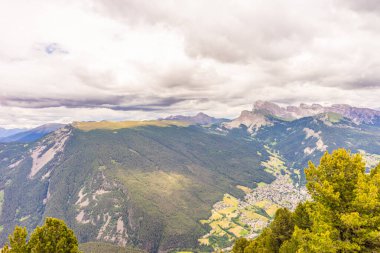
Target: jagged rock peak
263, 111
356, 114
266, 106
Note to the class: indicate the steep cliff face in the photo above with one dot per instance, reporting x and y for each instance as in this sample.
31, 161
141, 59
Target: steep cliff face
252, 120
263, 113
358, 115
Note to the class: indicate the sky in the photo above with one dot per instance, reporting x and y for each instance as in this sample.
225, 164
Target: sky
64, 61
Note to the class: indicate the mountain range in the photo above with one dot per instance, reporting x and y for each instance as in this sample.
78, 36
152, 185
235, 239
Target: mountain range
200, 118
27, 135
175, 184
4, 132
263, 110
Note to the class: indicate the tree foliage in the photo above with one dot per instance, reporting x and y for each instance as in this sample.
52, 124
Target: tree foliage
53, 236
17, 241
343, 215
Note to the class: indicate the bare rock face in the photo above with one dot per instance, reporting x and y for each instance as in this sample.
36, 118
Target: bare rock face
305, 110
48, 149
268, 107
259, 116
253, 120
358, 115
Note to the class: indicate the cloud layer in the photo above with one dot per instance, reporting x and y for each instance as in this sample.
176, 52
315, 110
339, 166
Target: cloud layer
137, 59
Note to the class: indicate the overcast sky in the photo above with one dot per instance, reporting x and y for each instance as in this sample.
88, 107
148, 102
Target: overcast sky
140, 59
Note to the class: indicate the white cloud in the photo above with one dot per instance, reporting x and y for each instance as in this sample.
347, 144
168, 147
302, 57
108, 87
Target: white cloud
124, 59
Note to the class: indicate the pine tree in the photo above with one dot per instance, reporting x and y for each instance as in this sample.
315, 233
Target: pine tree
53, 236
270, 240
17, 241
343, 216
346, 217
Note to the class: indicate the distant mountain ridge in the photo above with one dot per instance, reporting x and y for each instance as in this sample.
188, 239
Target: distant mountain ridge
171, 185
4, 132
30, 135
262, 114
356, 114
201, 119
263, 111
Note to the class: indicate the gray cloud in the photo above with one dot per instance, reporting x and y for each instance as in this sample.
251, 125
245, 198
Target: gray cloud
118, 59
364, 84
363, 5
118, 103
272, 34
27, 102
237, 32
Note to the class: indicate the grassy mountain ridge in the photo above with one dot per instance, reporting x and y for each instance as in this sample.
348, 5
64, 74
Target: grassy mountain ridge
151, 184
147, 186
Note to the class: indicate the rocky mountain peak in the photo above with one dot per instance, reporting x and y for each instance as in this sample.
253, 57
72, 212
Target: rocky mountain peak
358, 115
259, 116
253, 120
267, 107
201, 114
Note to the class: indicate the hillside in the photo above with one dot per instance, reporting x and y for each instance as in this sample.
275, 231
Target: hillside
169, 185
159, 181
291, 144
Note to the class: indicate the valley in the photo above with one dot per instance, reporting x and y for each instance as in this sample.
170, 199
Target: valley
233, 218
189, 126
174, 184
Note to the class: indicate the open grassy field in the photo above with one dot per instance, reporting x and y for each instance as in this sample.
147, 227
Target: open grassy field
232, 217
114, 125
226, 222
275, 164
